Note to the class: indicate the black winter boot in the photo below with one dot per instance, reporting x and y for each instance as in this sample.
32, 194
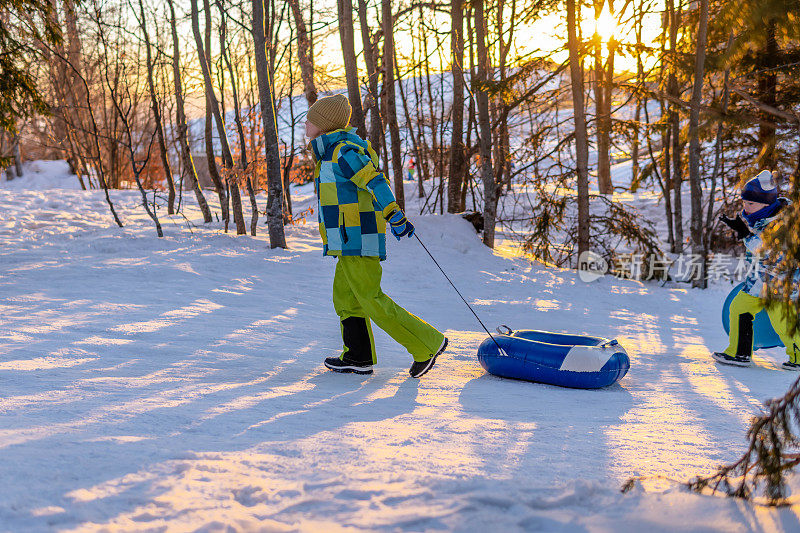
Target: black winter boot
357, 357
790, 364
419, 368
733, 360
340, 365
744, 346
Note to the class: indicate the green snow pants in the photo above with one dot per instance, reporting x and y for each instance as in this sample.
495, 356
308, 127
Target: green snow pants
358, 298
744, 308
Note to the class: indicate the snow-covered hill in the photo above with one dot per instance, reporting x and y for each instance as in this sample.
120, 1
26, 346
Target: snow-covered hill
178, 383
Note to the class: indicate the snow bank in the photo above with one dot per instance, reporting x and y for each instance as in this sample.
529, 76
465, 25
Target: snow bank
177, 384
42, 175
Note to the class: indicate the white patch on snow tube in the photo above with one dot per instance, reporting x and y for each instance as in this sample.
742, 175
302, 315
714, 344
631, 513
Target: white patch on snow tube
586, 358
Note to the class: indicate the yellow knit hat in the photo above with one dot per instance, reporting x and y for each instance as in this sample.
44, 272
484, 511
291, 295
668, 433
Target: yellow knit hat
330, 113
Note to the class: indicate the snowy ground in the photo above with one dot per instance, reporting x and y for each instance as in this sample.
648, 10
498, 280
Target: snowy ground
177, 383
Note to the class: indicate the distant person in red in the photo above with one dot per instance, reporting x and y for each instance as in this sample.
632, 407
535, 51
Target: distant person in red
412, 168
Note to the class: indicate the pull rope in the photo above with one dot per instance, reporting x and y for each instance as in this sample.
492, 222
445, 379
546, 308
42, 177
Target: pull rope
462, 297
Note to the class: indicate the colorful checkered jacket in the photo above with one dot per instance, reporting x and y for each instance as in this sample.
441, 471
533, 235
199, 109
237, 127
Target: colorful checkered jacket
354, 197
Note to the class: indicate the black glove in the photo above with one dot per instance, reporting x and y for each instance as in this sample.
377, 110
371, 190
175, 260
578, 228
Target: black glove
738, 225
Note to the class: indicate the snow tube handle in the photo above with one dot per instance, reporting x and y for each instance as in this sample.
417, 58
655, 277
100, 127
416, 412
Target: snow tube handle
504, 330
612, 342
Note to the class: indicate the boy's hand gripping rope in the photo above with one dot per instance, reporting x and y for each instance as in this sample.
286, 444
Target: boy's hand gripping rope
462, 297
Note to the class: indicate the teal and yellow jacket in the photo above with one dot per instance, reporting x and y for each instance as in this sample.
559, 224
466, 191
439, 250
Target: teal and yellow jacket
354, 198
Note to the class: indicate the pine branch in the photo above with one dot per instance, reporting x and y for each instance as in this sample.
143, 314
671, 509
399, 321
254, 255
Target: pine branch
765, 462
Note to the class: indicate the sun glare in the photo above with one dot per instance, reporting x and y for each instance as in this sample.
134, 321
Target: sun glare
605, 26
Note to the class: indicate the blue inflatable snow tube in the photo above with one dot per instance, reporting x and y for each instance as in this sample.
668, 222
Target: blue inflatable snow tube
575, 361
764, 335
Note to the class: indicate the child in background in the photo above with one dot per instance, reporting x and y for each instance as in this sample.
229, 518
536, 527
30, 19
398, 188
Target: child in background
355, 202
762, 206
412, 168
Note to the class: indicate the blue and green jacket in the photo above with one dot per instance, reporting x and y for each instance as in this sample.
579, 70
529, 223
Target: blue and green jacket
760, 270
354, 198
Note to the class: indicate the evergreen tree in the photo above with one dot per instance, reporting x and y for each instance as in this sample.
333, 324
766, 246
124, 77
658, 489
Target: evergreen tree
782, 240
22, 22
764, 58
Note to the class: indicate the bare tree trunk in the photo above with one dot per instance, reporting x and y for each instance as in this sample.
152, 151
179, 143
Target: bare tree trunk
245, 171
227, 158
155, 106
677, 180
415, 147
457, 163
640, 81
375, 125
59, 79
213, 169
391, 106
17, 156
95, 136
304, 53
218, 110
124, 117
726, 92
10, 171
482, 97
637, 116
211, 157
602, 75
472, 119
189, 171
635, 168
346, 35
75, 97
265, 95
694, 142
504, 174
288, 160
421, 143
666, 151
675, 122
68, 129
432, 151
666, 134
606, 186
273, 38
663, 179
581, 137
767, 93
10, 174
